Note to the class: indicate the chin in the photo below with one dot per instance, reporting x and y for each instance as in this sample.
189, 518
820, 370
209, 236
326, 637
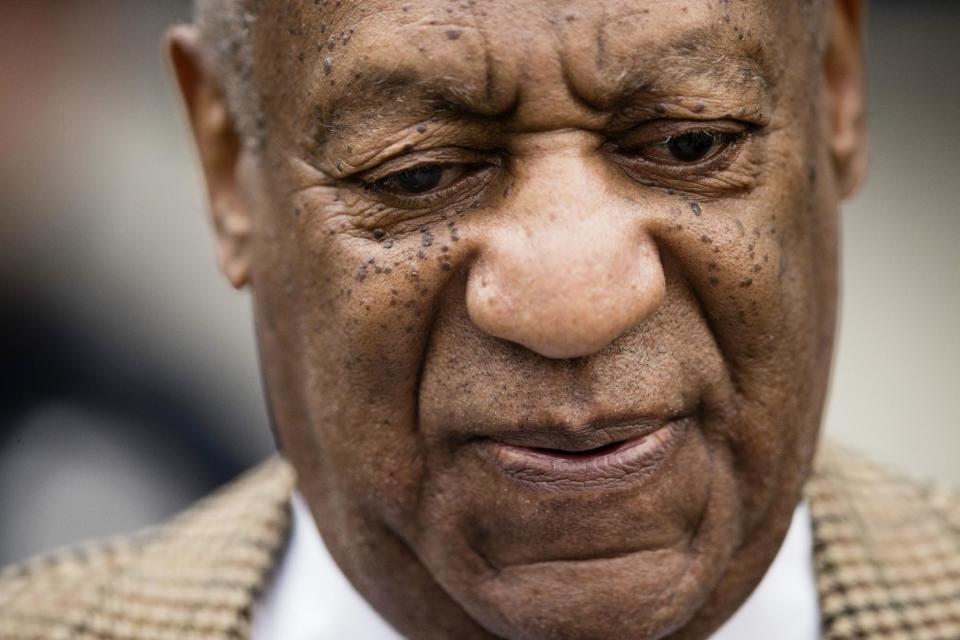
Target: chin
638, 560
647, 595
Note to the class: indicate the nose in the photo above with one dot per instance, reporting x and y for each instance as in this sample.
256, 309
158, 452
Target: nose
570, 268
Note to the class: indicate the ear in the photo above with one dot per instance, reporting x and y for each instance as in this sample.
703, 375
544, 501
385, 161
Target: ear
844, 78
220, 149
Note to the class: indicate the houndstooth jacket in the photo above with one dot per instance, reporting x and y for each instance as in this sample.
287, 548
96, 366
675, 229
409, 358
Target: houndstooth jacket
886, 553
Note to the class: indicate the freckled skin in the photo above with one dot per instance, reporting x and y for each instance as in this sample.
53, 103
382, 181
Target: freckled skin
559, 279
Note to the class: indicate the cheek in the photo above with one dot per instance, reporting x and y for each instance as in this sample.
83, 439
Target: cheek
753, 267
348, 314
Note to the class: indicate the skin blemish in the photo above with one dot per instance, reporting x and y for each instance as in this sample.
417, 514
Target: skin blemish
328, 65
427, 240
697, 210
746, 282
379, 234
421, 254
660, 108
421, 128
698, 107
706, 239
714, 281
455, 234
712, 266
388, 244
454, 34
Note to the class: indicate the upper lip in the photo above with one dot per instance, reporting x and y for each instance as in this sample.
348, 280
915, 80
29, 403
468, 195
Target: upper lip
584, 436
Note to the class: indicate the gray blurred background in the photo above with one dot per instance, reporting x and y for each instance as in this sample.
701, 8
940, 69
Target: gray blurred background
129, 382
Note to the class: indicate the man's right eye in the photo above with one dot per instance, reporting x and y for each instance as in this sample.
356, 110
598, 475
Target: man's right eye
418, 180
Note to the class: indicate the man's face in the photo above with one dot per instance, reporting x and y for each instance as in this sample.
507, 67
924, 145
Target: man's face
545, 296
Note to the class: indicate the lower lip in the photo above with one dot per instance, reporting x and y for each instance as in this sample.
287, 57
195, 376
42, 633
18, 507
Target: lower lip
627, 463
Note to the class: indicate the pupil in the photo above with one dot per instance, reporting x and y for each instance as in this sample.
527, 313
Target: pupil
690, 147
420, 179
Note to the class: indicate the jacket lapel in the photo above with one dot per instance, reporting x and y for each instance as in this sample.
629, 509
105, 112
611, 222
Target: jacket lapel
886, 552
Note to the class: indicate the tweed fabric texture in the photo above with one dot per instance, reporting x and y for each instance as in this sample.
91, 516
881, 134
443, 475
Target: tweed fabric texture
886, 550
192, 579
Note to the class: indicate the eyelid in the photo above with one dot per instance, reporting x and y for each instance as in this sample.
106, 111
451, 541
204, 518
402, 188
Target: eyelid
661, 131
414, 159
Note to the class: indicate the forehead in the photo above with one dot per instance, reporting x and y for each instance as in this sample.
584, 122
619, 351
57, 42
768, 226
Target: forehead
488, 55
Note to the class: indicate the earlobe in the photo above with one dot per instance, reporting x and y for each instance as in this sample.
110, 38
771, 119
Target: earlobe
843, 72
219, 149
233, 240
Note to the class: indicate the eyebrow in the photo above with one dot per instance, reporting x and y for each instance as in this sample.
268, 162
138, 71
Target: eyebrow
696, 55
373, 86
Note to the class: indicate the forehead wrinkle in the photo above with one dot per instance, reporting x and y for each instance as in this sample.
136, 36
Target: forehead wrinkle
380, 94
395, 82
459, 75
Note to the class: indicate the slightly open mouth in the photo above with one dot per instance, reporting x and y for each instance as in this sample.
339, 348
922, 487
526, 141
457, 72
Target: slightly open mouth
586, 454
613, 463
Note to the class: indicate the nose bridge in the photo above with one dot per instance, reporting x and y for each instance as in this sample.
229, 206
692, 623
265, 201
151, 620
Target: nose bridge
570, 268
559, 217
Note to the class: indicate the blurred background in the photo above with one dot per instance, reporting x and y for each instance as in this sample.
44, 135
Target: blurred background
128, 376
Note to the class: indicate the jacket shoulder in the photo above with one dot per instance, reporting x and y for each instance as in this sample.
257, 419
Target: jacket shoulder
194, 576
886, 551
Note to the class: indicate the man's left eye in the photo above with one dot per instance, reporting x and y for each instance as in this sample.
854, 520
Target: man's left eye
418, 180
688, 148
693, 146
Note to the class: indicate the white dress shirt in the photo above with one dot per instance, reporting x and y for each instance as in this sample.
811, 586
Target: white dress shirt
309, 598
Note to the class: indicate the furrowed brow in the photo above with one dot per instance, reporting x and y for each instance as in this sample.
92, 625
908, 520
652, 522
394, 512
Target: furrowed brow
376, 92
